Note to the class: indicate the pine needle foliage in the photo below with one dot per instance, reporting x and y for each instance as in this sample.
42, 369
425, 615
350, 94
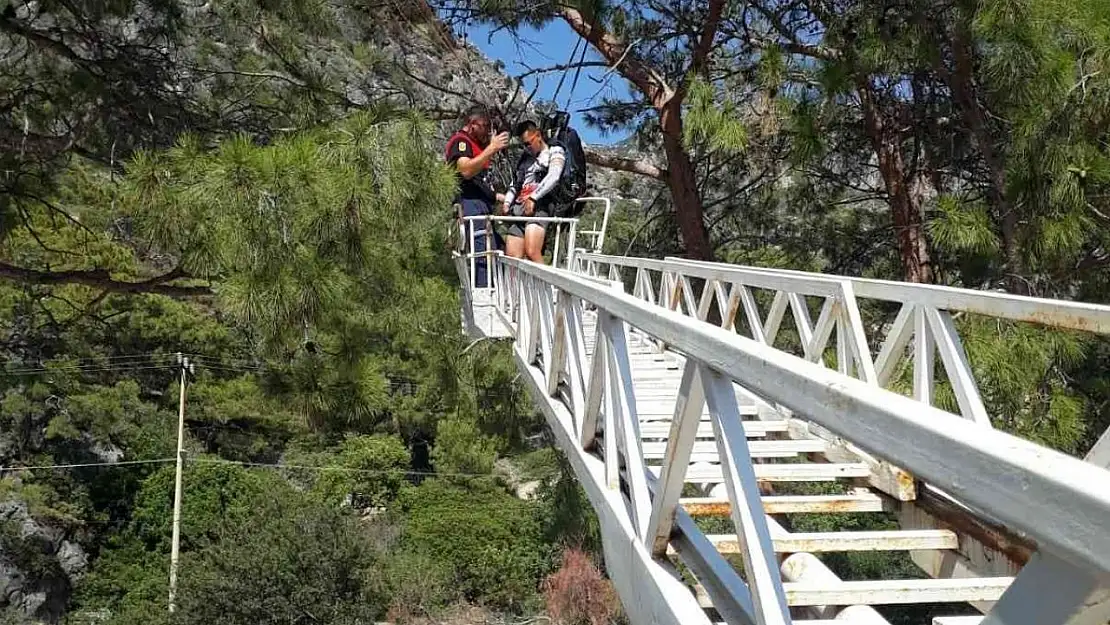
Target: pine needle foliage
329, 237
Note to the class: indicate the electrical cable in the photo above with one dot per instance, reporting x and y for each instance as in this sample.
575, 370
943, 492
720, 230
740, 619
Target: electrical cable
81, 465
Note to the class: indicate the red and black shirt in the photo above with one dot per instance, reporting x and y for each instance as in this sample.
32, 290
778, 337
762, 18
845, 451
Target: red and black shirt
478, 187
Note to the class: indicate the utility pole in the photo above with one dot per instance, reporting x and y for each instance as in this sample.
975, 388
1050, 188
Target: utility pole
186, 368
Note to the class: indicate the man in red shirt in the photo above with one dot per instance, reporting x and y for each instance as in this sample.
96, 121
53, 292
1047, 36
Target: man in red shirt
471, 150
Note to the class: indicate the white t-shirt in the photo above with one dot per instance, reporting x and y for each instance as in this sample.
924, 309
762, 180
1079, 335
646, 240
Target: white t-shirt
541, 176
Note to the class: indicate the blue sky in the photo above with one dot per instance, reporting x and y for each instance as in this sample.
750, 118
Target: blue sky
534, 49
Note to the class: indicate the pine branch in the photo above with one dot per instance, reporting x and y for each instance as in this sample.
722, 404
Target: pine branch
631, 66
102, 279
791, 43
14, 27
532, 71
629, 165
708, 34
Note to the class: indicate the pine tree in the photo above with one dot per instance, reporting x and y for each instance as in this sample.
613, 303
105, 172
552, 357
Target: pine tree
661, 55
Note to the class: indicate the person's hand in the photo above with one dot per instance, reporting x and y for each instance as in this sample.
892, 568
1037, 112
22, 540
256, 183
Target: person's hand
529, 207
499, 141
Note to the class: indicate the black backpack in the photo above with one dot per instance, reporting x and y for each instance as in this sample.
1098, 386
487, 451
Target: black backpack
572, 183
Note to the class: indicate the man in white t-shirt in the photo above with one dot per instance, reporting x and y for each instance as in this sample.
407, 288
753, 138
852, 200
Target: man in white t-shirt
530, 195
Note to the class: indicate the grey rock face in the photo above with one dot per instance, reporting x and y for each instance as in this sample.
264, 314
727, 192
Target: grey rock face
38, 565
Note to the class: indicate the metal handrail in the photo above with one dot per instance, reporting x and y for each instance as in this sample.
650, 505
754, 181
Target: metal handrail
467, 224
924, 318
1061, 503
1068, 314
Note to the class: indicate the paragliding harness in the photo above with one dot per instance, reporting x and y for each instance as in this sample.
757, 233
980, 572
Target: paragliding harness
572, 183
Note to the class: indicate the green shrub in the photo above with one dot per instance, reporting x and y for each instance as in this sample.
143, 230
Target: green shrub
491, 541
292, 562
368, 470
461, 448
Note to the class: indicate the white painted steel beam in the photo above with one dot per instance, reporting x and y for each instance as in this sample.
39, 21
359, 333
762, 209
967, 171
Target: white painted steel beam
1051, 591
649, 593
679, 447
792, 472
660, 429
897, 591
806, 568
788, 504
1056, 313
818, 542
1063, 501
1099, 455
760, 565
759, 449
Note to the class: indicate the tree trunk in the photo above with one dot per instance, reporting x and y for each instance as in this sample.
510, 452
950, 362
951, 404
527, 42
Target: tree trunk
668, 103
909, 226
683, 185
962, 83
903, 190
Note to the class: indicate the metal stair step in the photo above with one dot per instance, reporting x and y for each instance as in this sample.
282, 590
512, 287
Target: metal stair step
819, 542
892, 592
787, 504
662, 428
706, 420
897, 591
652, 409
818, 472
706, 451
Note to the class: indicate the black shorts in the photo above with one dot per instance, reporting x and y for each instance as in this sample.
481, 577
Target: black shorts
516, 228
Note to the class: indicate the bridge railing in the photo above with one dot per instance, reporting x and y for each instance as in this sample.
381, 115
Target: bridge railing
1060, 503
924, 317
481, 229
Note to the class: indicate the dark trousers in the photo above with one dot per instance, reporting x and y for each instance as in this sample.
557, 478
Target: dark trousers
483, 234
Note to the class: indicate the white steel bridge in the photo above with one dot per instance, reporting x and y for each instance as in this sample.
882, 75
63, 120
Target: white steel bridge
675, 396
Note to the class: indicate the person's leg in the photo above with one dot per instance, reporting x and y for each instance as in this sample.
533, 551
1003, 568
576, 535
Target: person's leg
533, 242
514, 247
478, 230
534, 234
514, 243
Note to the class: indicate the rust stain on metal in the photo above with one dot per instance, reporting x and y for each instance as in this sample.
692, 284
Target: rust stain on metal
733, 309
907, 487
996, 537
841, 506
727, 546
1063, 320
722, 508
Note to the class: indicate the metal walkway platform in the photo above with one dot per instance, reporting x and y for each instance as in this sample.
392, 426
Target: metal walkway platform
669, 420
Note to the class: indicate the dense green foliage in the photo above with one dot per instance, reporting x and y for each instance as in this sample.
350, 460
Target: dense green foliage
322, 322
236, 181
491, 541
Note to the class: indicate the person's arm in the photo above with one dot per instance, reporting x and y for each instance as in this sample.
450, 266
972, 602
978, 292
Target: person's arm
471, 166
554, 170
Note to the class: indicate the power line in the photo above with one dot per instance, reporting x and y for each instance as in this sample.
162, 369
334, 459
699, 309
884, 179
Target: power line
136, 365
242, 463
338, 468
81, 465
17, 372
107, 362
